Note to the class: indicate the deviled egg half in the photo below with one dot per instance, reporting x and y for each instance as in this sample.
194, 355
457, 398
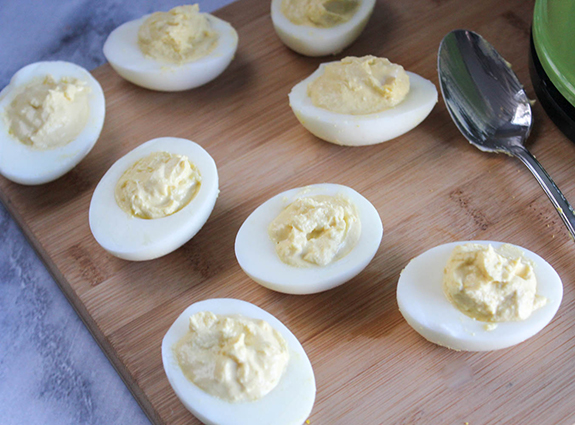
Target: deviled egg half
232, 363
154, 199
309, 239
51, 115
320, 27
478, 295
362, 101
172, 51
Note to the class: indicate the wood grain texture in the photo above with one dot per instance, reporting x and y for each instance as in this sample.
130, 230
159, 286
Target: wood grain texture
429, 186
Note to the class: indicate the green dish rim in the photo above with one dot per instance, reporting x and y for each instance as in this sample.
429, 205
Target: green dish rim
566, 88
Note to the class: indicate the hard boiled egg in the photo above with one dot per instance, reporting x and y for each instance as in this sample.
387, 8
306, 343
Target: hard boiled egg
123, 52
138, 239
427, 310
359, 130
26, 164
256, 252
312, 41
289, 403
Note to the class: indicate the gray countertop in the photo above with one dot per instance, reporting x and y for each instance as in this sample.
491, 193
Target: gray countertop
51, 369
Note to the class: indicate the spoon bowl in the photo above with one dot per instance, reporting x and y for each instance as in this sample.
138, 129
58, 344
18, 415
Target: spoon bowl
490, 107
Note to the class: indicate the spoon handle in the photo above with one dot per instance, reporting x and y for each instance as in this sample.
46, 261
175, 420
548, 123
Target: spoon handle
556, 197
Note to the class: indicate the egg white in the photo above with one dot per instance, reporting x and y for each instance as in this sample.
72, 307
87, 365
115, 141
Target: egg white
122, 51
427, 310
289, 403
256, 253
26, 165
369, 129
310, 41
137, 239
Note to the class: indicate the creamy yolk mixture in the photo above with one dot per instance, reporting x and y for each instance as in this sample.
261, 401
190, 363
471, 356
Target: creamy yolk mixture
157, 185
315, 230
178, 36
319, 13
47, 114
359, 86
491, 285
232, 357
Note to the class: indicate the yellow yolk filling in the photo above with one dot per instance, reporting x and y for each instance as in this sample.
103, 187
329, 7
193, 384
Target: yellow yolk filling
319, 13
315, 230
491, 285
359, 86
181, 35
47, 113
234, 358
157, 185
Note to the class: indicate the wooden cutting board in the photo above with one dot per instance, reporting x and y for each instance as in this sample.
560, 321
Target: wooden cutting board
429, 186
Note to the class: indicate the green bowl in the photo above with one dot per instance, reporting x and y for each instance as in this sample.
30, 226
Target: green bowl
553, 60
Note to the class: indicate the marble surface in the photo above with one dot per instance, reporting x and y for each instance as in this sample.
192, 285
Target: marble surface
51, 369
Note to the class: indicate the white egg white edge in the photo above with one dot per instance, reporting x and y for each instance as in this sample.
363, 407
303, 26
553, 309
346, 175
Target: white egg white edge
24, 164
256, 253
310, 41
361, 130
427, 310
138, 239
292, 398
124, 55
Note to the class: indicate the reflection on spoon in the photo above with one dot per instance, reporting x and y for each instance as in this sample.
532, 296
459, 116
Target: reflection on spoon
489, 106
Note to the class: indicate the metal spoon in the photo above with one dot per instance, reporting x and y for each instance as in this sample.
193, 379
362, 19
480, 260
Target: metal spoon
490, 107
